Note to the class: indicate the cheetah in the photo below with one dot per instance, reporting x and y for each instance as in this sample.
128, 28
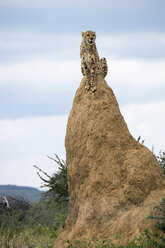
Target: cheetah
91, 64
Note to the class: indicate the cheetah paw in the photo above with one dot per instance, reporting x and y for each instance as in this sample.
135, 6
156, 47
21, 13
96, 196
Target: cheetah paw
87, 87
94, 88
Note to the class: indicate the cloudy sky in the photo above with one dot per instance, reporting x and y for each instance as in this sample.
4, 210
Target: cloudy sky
40, 72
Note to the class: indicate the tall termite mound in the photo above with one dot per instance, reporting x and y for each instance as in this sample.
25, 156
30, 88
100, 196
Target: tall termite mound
114, 181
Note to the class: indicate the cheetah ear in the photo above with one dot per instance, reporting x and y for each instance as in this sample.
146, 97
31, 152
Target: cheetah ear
82, 33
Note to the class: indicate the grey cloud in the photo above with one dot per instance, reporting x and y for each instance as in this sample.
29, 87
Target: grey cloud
16, 45
138, 95
73, 16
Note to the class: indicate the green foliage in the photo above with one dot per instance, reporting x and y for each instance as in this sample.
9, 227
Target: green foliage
146, 240
160, 216
90, 244
38, 226
46, 213
57, 184
15, 212
161, 160
38, 229
35, 237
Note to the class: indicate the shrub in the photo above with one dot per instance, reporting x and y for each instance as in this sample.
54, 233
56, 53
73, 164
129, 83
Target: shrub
57, 184
161, 160
159, 216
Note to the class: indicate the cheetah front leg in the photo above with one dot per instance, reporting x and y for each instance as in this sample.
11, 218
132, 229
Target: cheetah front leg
86, 74
87, 80
93, 67
93, 79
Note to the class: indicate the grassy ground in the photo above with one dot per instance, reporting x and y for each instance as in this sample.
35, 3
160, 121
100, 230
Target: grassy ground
38, 228
37, 237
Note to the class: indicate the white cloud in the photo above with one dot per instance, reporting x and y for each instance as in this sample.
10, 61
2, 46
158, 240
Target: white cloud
147, 120
37, 82
45, 75
139, 73
25, 142
41, 75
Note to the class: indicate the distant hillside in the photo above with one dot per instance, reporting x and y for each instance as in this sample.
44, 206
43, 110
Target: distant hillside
29, 193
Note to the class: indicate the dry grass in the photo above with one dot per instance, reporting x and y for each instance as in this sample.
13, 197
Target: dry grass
27, 238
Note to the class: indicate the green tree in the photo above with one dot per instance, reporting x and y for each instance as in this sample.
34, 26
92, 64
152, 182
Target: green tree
57, 184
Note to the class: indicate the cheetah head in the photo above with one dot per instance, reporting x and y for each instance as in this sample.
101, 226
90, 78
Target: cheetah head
89, 37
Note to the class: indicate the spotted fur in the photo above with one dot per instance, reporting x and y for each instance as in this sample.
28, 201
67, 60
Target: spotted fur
91, 64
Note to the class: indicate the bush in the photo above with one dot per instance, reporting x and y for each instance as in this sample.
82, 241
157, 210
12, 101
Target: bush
38, 229
161, 160
159, 219
57, 184
46, 213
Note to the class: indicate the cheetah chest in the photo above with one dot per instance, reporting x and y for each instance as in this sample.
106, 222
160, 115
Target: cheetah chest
89, 59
